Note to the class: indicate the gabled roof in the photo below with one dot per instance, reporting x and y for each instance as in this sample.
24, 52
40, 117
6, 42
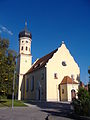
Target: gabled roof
68, 80
41, 62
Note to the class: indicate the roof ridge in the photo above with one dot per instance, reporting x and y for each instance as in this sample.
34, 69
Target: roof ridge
49, 53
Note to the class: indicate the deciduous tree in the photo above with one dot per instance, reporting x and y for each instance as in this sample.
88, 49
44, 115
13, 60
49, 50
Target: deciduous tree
7, 66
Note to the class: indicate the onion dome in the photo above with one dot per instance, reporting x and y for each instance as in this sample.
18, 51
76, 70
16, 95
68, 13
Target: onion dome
25, 32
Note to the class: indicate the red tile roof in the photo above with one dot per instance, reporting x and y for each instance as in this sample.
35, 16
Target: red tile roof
67, 80
41, 62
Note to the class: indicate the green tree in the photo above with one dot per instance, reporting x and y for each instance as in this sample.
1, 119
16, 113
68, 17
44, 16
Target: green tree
82, 104
7, 66
89, 80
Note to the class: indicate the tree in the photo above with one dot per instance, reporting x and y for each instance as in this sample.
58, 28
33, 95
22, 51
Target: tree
7, 66
82, 104
89, 79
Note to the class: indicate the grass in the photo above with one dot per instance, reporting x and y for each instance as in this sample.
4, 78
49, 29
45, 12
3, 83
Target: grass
8, 103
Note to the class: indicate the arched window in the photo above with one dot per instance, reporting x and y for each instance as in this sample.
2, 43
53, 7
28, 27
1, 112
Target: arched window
26, 48
22, 48
55, 76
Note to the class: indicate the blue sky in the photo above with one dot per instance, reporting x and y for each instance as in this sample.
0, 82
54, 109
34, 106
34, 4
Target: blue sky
50, 22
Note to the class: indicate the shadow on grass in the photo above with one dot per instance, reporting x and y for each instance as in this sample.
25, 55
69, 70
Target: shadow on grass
2, 101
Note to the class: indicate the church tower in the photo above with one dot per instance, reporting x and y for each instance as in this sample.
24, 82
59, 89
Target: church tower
24, 60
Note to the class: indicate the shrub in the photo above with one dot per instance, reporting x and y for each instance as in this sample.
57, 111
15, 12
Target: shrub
82, 104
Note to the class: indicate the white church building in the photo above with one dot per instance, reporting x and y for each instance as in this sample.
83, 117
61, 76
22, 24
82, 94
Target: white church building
54, 77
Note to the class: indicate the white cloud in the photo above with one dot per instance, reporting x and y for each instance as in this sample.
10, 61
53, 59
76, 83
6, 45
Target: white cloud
10, 32
4, 29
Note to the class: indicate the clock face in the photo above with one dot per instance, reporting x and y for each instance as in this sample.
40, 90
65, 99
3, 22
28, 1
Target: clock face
64, 63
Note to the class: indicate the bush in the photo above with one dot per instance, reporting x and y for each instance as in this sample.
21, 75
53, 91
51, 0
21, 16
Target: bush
2, 95
82, 104
9, 96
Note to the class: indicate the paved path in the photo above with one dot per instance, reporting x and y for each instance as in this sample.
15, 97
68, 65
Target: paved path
37, 111
22, 113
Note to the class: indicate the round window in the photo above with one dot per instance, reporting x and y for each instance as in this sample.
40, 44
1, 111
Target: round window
64, 63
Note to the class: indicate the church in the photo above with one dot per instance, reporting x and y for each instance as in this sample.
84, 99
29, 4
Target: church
54, 77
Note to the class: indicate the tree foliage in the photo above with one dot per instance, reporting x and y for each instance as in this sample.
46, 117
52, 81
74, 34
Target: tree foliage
89, 80
82, 104
7, 66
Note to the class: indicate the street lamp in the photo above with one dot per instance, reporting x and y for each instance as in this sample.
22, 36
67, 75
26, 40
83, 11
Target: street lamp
13, 83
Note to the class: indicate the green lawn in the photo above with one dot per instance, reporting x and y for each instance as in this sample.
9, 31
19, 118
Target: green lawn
8, 103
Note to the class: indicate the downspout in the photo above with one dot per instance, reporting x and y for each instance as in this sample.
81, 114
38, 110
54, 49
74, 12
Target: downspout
45, 83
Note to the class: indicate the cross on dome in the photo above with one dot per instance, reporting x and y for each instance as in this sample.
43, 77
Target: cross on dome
25, 25
62, 42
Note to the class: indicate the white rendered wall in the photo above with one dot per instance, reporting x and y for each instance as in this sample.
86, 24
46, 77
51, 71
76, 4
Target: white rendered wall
63, 95
25, 60
25, 63
54, 65
25, 42
69, 88
19, 86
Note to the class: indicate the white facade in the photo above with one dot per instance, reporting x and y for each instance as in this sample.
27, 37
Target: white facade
24, 61
57, 64
54, 65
